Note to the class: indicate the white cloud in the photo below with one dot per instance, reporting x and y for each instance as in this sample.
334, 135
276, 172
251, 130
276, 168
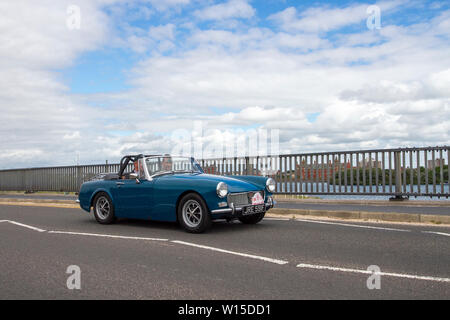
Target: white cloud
242, 70
435, 86
369, 90
255, 39
323, 19
37, 112
227, 10
71, 136
159, 38
162, 32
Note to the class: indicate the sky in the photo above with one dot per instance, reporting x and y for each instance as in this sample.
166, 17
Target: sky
91, 80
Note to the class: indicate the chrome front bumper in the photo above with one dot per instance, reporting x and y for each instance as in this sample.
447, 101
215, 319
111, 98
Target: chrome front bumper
234, 210
77, 201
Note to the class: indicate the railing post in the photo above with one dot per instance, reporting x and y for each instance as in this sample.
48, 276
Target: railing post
247, 165
79, 178
398, 178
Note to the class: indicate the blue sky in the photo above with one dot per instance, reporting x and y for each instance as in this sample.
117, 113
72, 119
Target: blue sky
137, 72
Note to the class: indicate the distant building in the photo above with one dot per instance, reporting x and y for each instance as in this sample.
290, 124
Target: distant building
437, 163
369, 163
210, 169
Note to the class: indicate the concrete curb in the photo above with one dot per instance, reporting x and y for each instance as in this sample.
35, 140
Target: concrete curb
34, 204
37, 194
37, 200
365, 215
407, 203
71, 204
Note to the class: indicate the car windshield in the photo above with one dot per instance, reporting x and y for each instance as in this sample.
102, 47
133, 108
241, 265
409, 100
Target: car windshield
169, 164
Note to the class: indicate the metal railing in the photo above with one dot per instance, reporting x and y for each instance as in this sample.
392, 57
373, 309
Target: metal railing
394, 172
385, 172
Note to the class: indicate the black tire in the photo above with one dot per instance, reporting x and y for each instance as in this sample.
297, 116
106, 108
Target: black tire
103, 217
193, 214
253, 219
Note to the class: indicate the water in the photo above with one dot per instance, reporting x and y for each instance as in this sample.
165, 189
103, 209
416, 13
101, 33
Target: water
317, 187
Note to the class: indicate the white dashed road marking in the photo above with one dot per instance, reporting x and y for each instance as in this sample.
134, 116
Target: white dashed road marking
23, 225
388, 274
439, 233
352, 225
231, 252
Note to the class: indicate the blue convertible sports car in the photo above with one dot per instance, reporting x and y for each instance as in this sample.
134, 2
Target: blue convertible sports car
167, 188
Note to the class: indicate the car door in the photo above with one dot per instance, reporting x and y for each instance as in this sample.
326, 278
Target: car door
134, 199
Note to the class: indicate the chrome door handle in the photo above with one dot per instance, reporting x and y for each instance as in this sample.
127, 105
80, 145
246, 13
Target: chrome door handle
120, 183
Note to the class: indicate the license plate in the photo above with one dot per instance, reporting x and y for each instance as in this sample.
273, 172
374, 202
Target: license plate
253, 209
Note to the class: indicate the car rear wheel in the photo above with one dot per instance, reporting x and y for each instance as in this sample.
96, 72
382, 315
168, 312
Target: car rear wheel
104, 209
193, 214
253, 219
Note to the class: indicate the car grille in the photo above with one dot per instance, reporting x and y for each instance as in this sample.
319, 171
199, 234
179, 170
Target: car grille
244, 198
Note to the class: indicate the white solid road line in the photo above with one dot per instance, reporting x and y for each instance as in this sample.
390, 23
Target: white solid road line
351, 225
389, 274
107, 236
231, 252
23, 225
439, 233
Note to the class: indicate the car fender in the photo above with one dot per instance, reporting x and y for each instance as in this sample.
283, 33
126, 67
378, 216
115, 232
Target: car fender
91, 200
89, 190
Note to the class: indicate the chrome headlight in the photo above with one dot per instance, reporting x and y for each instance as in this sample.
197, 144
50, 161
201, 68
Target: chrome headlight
222, 189
270, 185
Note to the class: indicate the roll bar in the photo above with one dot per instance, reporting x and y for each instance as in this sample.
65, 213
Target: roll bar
126, 160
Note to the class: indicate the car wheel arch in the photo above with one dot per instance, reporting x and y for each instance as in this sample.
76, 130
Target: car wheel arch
96, 192
188, 192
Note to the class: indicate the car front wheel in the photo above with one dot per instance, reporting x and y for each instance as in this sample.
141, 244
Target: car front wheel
104, 209
193, 214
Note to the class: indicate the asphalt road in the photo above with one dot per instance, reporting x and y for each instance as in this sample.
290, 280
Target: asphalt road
275, 259
407, 208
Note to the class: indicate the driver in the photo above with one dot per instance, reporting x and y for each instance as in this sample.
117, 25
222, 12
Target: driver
135, 170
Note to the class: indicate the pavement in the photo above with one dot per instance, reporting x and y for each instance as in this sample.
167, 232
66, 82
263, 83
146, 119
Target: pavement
38, 196
276, 259
414, 207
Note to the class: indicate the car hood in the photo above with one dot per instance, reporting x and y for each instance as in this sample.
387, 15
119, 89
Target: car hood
234, 184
